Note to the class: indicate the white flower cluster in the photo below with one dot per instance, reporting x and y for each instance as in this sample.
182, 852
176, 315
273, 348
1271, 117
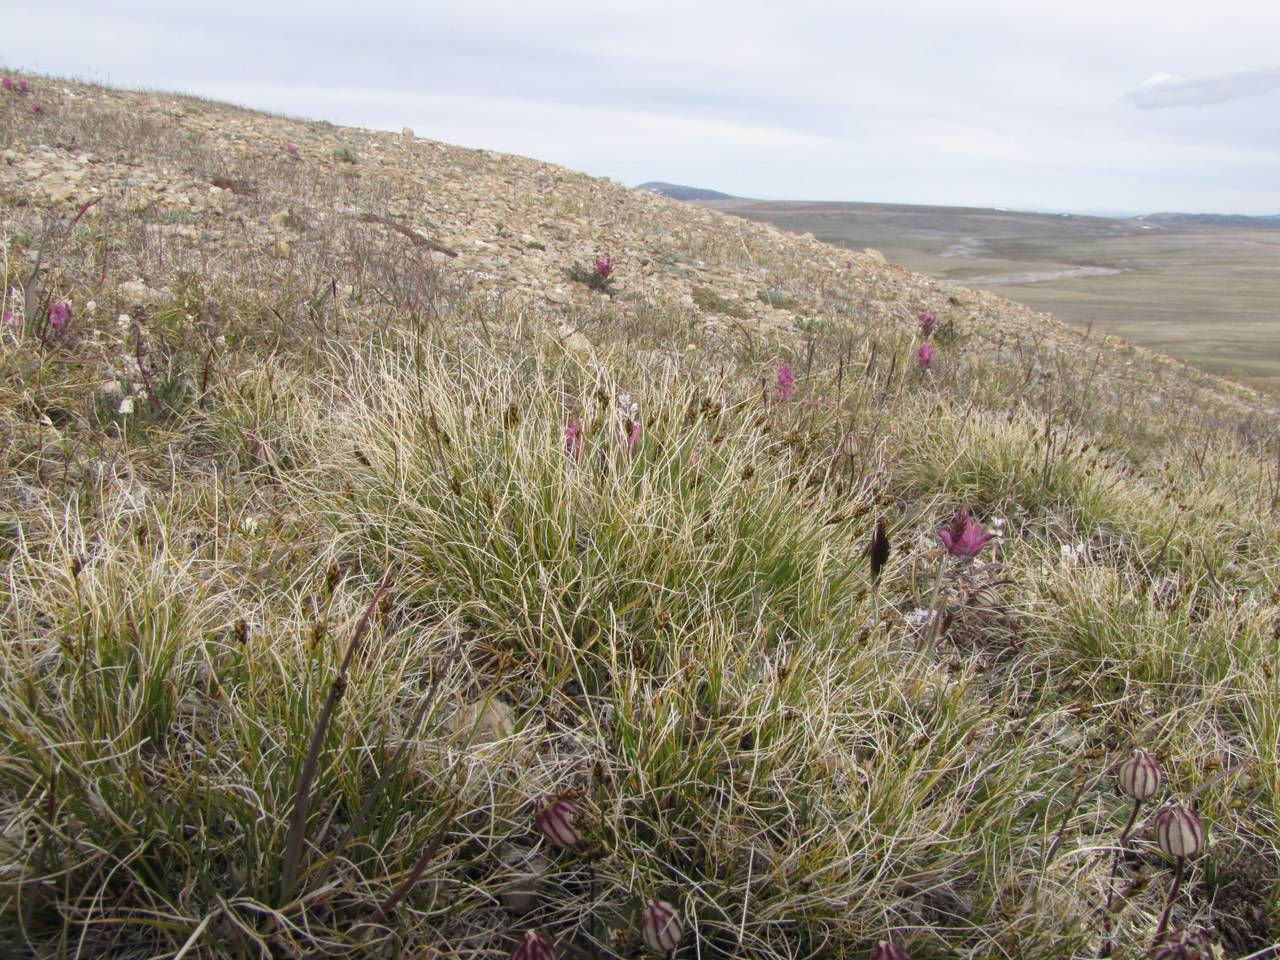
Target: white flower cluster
1073, 554
628, 408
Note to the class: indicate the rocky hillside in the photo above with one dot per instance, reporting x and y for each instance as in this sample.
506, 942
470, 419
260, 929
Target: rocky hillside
247, 194
413, 551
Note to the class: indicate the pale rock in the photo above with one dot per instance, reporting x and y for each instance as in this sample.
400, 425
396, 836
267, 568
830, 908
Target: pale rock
135, 291
574, 341
530, 867
481, 721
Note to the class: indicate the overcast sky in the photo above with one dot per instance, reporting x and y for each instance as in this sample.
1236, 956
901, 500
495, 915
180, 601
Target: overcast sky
1121, 106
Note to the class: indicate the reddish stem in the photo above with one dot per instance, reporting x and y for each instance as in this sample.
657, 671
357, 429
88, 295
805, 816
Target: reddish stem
1108, 944
1163, 925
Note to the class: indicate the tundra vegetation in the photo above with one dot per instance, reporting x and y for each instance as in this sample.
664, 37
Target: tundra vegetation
359, 602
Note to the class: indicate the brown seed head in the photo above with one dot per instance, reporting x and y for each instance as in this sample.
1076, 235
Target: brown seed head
879, 550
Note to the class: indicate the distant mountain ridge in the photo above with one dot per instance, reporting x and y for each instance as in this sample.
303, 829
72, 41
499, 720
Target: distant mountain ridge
678, 191
1215, 219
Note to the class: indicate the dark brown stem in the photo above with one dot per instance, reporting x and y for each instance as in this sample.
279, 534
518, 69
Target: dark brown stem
140, 354
1108, 944
411, 880
302, 798
1163, 925
204, 376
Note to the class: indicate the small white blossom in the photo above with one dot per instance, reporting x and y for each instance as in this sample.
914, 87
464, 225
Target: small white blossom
126, 406
917, 617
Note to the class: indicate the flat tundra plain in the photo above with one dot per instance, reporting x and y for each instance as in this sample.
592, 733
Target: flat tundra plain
1203, 293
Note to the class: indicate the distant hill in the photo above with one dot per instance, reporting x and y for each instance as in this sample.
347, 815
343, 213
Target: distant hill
1214, 219
678, 192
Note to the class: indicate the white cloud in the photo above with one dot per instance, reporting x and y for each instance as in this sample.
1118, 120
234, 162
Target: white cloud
994, 101
437, 114
1162, 90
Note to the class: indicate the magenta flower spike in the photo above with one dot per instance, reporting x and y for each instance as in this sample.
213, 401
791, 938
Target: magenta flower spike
37, 110
633, 439
7, 83
928, 323
964, 539
23, 86
59, 316
786, 384
604, 266
573, 439
926, 355
291, 149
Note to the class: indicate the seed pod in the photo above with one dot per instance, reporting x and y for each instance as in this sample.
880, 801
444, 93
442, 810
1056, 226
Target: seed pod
556, 822
1139, 776
533, 946
661, 927
888, 950
1179, 832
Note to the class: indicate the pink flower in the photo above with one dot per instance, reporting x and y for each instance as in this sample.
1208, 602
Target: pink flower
926, 355
633, 438
786, 384
928, 323
7, 83
604, 266
291, 149
23, 86
848, 264
59, 316
37, 110
965, 539
573, 439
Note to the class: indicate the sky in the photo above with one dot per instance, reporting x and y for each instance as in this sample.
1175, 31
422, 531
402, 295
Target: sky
1123, 106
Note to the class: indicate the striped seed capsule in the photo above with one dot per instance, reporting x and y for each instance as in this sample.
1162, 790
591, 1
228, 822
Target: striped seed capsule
556, 822
660, 927
1139, 776
1179, 832
888, 950
533, 946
